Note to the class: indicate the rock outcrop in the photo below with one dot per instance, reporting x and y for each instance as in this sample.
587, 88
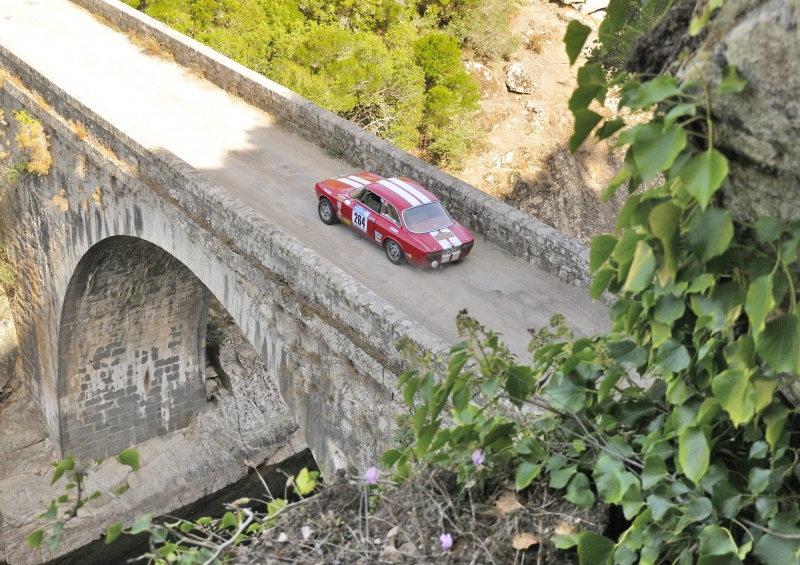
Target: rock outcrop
758, 129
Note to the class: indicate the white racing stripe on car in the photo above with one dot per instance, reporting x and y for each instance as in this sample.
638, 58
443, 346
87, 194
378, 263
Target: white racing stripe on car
408, 197
413, 190
356, 178
444, 243
349, 182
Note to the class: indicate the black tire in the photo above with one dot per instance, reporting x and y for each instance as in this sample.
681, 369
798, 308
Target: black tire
394, 252
326, 212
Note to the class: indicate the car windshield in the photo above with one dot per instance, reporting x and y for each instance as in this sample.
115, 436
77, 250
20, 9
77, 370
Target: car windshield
425, 218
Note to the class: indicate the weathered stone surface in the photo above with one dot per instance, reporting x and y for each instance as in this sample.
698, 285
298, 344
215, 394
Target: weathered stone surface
8, 346
122, 382
517, 79
758, 129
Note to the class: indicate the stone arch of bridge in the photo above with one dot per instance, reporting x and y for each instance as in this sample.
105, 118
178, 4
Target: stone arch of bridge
131, 350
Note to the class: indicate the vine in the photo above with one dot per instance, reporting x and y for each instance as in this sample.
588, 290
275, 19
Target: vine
679, 416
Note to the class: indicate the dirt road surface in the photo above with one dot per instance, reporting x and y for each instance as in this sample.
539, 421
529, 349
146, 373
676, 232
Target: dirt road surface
246, 152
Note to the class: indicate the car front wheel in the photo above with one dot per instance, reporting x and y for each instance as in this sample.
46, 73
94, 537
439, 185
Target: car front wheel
393, 251
326, 212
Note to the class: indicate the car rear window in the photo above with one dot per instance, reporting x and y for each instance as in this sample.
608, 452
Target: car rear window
425, 218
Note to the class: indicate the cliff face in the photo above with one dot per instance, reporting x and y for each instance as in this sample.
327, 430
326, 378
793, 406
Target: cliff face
758, 130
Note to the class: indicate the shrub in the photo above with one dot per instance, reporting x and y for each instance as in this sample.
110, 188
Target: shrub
32, 140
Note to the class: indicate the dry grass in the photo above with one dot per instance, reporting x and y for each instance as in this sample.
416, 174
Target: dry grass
349, 522
79, 129
31, 139
149, 45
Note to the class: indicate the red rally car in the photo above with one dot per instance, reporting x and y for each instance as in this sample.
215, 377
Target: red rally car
396, 213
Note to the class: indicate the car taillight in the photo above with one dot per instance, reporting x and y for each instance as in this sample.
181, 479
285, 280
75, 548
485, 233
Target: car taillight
466, 247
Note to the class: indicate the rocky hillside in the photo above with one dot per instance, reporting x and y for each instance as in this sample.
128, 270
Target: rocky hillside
524, 111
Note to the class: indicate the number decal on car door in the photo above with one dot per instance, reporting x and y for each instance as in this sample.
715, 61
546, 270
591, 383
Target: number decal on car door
360, 215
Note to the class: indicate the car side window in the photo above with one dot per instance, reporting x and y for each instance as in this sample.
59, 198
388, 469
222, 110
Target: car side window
357, 193
371, 200
389, 211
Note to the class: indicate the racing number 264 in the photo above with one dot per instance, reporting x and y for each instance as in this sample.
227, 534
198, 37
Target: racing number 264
360, 218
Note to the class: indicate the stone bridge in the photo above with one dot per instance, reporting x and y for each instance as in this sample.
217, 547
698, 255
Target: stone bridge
120, 246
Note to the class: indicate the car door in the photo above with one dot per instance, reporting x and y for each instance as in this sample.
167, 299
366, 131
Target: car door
387, 224
365, 212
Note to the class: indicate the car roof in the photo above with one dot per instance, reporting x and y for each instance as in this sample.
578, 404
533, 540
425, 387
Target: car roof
402, 193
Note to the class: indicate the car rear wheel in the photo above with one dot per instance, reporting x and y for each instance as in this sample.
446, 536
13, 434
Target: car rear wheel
326, 212
394, 252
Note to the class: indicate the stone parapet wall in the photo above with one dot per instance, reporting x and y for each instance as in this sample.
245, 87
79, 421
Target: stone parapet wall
515, 231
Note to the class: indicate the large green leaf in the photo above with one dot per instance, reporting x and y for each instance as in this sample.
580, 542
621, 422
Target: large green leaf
600, 250
777, 550
640, 275
715, 540
775, 418
583, 96
693, 453
768, 229
654, 471
655, 150
627, 353
565, 394
711, 233
113, 532
732, 388
760, 302
600, 281
609, 128
704, 174
779, 344
585, 121
142, 524
35, 539
655, 91
668, 309
526, 472
672, 356
677, 112
575, 38
664, 220
129, 457
579, 491
594, 549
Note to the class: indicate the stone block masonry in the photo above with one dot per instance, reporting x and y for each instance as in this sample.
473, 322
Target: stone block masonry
515, 231
122, 382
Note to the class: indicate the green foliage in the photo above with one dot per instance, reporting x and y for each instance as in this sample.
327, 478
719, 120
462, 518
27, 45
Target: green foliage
632, 20
215, 334
676, 416
375, 63
65, 507
482, 27
203, 541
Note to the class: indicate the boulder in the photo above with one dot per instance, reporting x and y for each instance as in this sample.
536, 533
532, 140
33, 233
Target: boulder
517, 79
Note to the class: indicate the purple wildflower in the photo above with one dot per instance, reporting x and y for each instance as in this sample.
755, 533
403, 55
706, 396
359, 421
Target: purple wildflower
447, 541
478, 457
372, 475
